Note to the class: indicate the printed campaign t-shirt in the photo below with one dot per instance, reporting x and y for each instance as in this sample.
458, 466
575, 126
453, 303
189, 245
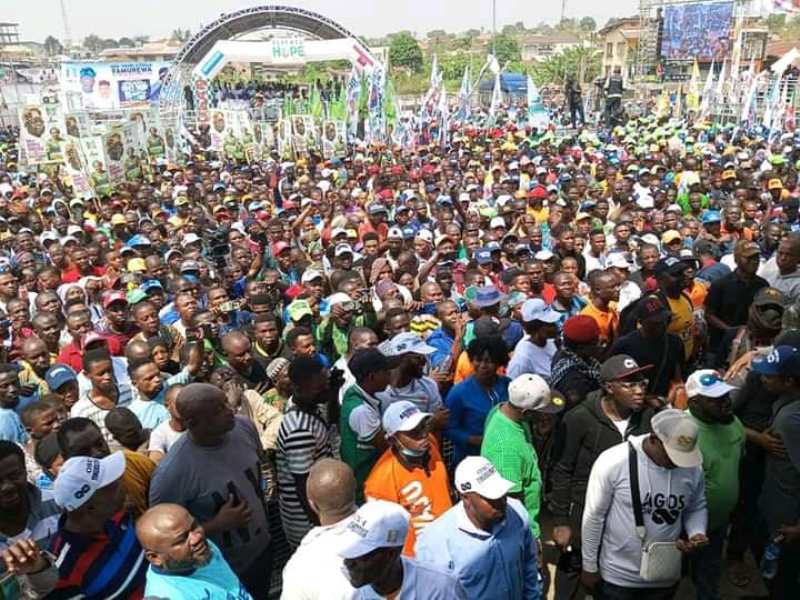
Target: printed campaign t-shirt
214, 581
425, 495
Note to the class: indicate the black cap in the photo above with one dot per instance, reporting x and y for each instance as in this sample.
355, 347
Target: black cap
619, 367
671, 265
367, 361
652, 308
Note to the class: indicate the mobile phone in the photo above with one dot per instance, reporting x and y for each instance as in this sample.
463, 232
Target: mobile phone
230, 306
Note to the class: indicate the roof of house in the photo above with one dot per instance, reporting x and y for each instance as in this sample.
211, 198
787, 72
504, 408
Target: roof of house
626, 23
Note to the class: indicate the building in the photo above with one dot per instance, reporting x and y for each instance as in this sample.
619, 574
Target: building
164, 50
9, 33
542, 47
619, 42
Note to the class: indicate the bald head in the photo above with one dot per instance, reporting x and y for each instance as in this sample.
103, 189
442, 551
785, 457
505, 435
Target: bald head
172, 538
331, 488
32, 345
137, 351
233, 341
158, 524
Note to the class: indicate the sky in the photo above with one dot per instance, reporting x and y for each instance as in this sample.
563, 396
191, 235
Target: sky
371, 18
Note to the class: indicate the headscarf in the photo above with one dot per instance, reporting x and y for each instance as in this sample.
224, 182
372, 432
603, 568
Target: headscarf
377, 266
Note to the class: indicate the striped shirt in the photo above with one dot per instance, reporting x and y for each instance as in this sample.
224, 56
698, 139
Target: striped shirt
107, 566
303, 439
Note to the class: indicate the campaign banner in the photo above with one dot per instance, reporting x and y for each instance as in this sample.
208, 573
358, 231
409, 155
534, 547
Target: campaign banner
284, 139
219, 129
74, 168
115, 85
333, 138
699, 31
41, 130
264, 137
121, 151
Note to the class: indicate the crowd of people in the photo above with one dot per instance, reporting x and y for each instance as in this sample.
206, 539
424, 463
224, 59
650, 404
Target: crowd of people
429, 373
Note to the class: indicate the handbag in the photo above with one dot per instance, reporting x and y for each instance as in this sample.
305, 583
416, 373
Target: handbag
661, 561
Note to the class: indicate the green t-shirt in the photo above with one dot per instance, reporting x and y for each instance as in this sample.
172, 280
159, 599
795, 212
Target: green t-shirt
355, 448
721, 447
509, 447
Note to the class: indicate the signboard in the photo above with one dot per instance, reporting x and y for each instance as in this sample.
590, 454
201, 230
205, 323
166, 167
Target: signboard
109, 86
697, 31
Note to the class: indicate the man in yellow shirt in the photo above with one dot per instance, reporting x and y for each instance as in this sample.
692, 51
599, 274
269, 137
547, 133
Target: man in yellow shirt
602, 305
670, 273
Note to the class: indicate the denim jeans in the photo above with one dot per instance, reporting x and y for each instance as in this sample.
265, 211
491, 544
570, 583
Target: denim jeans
706, 565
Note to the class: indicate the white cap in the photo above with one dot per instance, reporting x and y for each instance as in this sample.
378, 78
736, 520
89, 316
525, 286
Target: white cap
73, 230
543, 255
81, 476
377, 524
405, 342
497, 222
342, 249
310, 275
645, 201
541, 171
535, 309
48, 236
531, 392
338, 298
707, 382
425, 235
190, 238
618, 260
402, 415
337, 231
678, 432
395, 233
477, 474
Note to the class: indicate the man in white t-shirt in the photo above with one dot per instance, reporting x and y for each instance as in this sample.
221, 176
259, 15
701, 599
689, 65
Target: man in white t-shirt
314, 572
672, 500
371, 546
534, 352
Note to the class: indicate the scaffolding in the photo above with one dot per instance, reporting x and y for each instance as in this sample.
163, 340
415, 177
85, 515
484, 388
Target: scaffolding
9, 34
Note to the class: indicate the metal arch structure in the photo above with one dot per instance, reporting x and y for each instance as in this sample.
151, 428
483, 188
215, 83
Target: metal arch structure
230, 25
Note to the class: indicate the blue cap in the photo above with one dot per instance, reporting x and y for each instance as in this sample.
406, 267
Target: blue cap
711, 216
783, 360
139, 240
483, 256
493, 246
151, 284
58, 375
409, 233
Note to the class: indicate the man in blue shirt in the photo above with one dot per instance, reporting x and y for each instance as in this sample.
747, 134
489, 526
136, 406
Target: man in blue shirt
184, 563
11, 427
485, 539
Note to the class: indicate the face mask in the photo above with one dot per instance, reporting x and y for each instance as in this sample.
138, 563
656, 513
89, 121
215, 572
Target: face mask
410, 453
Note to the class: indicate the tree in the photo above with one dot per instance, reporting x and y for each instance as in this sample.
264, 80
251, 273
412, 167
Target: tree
52, 46
584, 63
141, 39
109, 43
126, 42
93, 42
404, 51
181, 35
587, 24
462, 43
506, 49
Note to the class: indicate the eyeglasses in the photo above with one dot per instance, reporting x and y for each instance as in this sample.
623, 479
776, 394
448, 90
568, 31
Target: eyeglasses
629, 385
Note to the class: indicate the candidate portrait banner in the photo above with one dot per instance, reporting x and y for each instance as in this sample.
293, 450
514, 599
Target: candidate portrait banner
284, 139
120, 148
74, 168
333, 138
41, 130
114, 85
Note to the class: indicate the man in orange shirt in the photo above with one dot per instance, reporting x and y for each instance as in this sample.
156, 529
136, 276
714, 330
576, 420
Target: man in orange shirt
376, 221
411, 471
605, 290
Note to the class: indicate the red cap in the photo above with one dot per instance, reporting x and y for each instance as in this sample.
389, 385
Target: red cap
289, 205
397, 170
373, 169
581, 329
538, 193
279, 247
262, 215
387, 193
113, 296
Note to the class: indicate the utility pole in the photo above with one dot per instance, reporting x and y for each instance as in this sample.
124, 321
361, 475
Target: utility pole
563, 10
67, 33
494, 23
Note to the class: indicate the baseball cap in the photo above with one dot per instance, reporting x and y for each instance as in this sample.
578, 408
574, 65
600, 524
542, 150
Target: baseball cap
342, 249
476, 474
483, 256
678, 432
58, 375
188, 266
746, 248
581, 329
118, 219
151, 284
81, 476
707, 382
115, 296
140, 240
775, 184
619, 367
711, 216
497, 222
671, 265
394, 233
310, 275
376, 524
299, 309
376, 209
189, 238
136, 265
652, 308
618, 260
405, 342
402, 415
770, 296
531, 392
543, 255
783, 360
670, 236
279, 247
535, 309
